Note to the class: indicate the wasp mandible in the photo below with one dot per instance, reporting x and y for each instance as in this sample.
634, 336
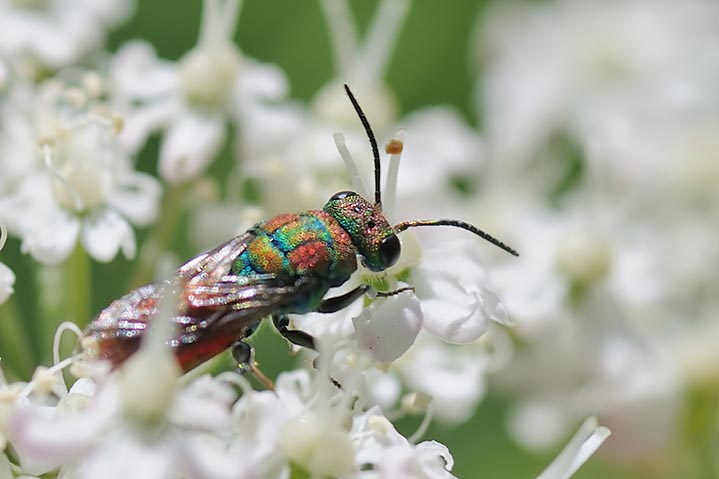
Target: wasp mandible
284, 265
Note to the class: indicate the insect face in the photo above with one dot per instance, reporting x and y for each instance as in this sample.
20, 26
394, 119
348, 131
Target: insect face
370, 232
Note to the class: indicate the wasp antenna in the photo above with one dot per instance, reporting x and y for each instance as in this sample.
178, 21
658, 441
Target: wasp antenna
398, 228
373, 142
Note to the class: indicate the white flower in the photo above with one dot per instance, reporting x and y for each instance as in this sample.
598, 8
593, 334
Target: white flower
301, 169
87, 188
392, 456
454, 376
572, 67
387, 335
451, 301
18, 135
193, 99
362, 67
56, 33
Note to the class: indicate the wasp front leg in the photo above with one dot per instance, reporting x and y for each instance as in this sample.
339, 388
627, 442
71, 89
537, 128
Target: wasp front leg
332, 305
298, 338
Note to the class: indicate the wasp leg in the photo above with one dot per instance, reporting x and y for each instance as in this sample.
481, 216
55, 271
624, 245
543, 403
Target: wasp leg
299, 338
244, 354
331, 305
395, 292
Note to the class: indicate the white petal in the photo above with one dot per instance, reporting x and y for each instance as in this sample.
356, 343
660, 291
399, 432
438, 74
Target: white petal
295, 390
456, 303
138, 73
270, 128
7, 279
538, 424
454, 314
51, 239
139, 122
104, 233
43, 443
435, 459
189, 146
83, 386
124, 454
452, 375
203, 405
494, 307
427, 462
580, 448
261, 82
137, 197
209, 457
387, 331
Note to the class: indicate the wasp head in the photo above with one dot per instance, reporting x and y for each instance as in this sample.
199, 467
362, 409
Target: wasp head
371, 234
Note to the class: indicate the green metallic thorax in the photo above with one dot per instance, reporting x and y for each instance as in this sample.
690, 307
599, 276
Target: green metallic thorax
300, 244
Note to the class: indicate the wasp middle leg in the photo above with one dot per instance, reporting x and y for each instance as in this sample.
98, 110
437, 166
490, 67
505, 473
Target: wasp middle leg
244, 355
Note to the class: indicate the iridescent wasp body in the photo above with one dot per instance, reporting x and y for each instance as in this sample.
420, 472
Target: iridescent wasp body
284, 265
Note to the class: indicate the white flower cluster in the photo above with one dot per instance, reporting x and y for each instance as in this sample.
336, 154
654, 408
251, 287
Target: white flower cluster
73, 120
601, 118
146, 422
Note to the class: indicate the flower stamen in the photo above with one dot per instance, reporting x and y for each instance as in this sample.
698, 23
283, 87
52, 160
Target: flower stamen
357, 184
47, 151
382, 36
394, 148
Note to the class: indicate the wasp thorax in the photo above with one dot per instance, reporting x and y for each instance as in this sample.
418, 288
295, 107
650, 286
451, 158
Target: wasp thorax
371, 234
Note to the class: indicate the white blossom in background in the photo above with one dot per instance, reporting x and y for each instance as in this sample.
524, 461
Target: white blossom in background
56, 33
300, 168
192, 100
78, 184
615, 273
582, 67
586, 280
19, 109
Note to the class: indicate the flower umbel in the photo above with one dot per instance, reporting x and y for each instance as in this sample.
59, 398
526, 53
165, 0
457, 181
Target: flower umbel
84, 186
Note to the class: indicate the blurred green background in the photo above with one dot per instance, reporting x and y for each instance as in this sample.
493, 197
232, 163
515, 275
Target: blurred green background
430, 66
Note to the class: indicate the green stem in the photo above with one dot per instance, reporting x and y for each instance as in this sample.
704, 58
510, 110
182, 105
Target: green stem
65, 295
297, 472
79, 287
172, 210
15, 349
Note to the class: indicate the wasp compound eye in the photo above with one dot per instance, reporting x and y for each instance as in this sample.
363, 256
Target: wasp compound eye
389, 250
342, 195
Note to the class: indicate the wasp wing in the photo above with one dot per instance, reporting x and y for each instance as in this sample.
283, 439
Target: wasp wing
213, 309
215, 263
210, 316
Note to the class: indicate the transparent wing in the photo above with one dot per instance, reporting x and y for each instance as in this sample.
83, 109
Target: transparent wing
213, 309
